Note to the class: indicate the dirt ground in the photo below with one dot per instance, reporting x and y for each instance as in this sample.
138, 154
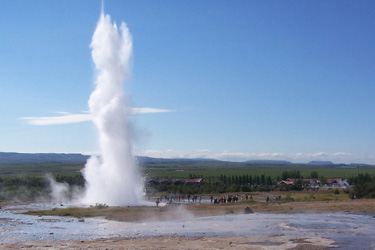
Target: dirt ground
219, 242
169, 242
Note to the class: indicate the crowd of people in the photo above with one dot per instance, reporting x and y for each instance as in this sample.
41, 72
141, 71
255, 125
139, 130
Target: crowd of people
173, 199
230, 198
178, 198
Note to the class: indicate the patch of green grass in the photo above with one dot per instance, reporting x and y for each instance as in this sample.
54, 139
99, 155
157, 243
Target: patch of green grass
20, 170
73, 212
327, 195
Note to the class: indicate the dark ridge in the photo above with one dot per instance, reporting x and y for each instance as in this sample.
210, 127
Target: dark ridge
22, 158
269, 162
320, 163
55, 158
180, 161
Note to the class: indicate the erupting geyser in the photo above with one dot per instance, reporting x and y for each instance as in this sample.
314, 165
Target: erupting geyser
112, 177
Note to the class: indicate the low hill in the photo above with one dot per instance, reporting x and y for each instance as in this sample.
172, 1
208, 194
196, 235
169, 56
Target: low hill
80, 159
269, 162
320, 163
21, 158
177, 161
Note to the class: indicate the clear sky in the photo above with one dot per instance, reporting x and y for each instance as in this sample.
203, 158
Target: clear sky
288, 80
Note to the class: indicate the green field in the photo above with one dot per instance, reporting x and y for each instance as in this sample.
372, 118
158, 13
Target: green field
185, 171
205, 169
21, 170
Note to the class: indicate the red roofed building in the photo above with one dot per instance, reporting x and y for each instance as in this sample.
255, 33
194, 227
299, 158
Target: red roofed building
333, 181
196, 180
304, 182
288, 181
337, 183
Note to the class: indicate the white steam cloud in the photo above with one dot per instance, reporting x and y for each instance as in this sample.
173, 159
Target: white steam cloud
66, 118
59, 191
113, 177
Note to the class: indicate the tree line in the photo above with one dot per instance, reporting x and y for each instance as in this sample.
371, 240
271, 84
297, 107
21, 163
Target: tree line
363, 185
30, 187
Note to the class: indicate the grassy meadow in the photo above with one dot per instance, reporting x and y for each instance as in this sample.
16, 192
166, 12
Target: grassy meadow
39, 170
186, 171
203, 169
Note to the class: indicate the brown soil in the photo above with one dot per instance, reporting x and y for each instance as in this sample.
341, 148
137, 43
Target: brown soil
170, 242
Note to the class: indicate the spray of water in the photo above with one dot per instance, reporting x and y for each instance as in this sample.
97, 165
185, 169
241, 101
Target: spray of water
112, 177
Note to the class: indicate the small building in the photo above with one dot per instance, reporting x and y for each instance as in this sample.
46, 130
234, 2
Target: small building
288, 181
315, 183
336, 183
312, 183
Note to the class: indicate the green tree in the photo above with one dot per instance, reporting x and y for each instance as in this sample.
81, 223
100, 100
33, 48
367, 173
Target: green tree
314, 175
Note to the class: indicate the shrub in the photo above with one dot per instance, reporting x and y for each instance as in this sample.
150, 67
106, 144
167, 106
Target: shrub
100, 205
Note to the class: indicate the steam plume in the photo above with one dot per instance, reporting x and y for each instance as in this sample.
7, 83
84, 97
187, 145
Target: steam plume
113, 177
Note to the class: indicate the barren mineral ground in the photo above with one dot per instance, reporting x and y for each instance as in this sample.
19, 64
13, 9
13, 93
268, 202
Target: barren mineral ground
305, 224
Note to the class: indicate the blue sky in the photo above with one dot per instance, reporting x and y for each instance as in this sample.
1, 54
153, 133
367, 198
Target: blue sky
289, 80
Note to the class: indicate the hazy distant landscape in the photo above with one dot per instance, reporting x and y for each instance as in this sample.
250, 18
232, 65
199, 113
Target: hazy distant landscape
20, 173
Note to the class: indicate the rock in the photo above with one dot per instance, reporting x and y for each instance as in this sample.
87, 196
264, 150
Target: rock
248, 210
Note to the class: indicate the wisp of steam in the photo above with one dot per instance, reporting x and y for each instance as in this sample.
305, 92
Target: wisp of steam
112, 177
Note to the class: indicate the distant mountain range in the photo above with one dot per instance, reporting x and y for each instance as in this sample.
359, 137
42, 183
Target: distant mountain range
55, 158
21, 158
180, 161
270, 162
320, 163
